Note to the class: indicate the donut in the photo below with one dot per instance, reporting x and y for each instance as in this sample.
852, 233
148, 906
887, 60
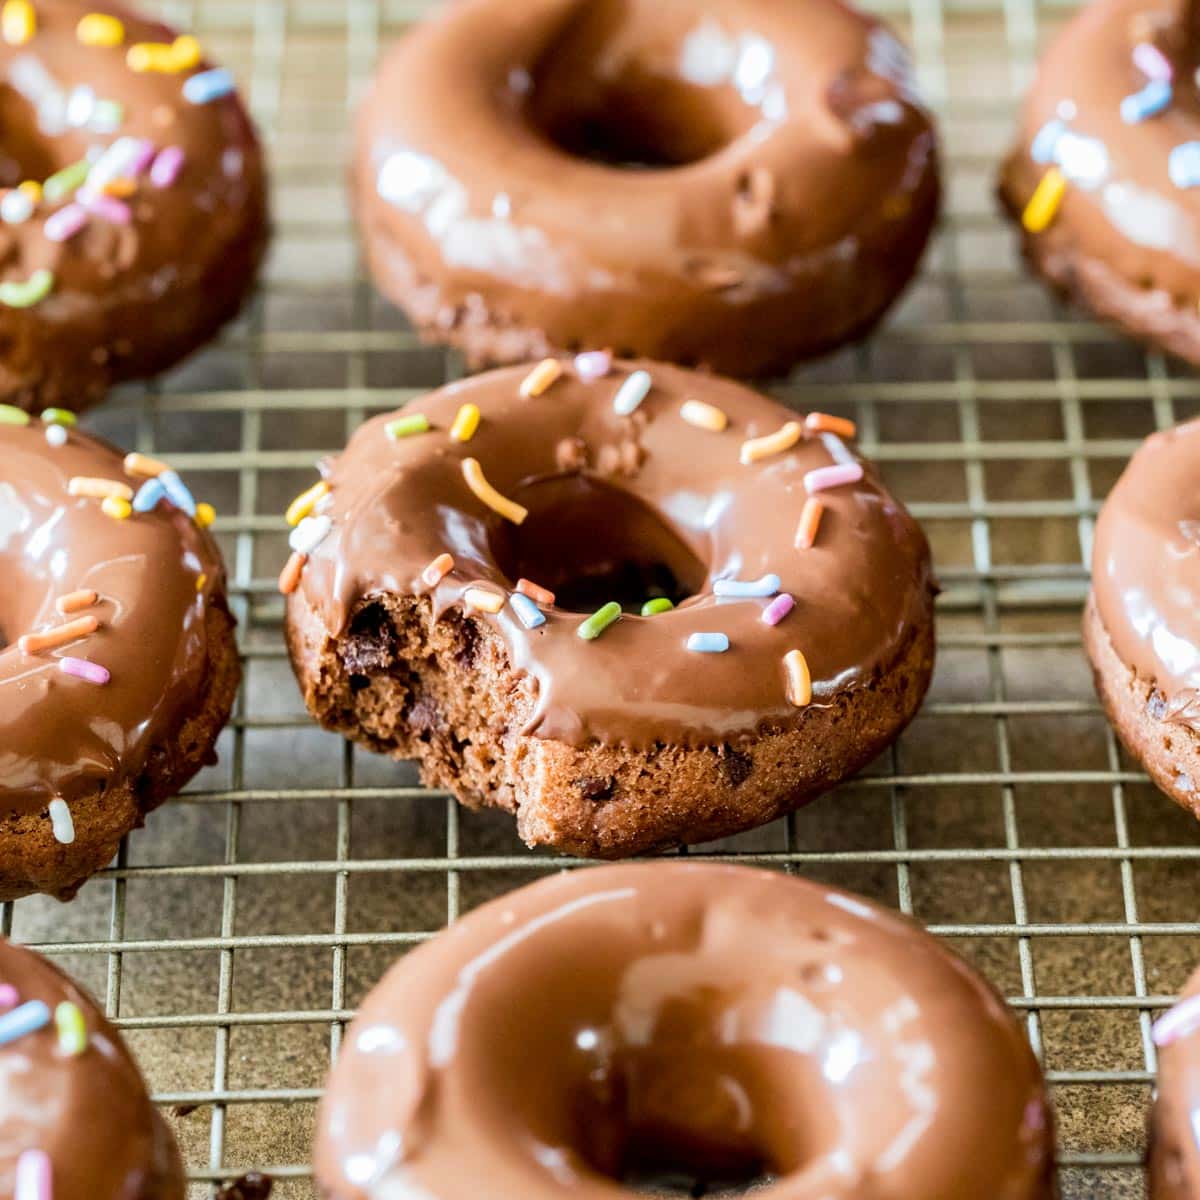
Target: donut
1103, 177
132, 200
1174, 1158
75, 1120
1142, 621
739, 186
703, 1020
633, 605
118, 662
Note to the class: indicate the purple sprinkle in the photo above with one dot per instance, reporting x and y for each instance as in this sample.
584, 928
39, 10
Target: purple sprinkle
1152, 62
82, 669
8, 996
167, 166
1179, 1022
66, 223
778, 609
593, 365
111, 209
142, 158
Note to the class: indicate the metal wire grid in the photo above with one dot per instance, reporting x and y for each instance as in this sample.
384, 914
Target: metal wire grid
233, 937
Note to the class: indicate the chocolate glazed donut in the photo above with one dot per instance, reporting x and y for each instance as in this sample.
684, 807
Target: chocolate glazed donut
704, 1021
136, 216
738, 658
1105, 174
739, 186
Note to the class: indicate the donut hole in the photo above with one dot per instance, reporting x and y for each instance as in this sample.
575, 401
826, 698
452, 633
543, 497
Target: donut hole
591, 543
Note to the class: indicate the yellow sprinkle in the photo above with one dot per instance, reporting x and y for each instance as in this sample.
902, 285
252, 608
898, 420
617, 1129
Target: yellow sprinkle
799, 678
72, 1028
100, 29
205, 514
115, 507
541, 377
483, 600
166, 58
201, 580
98, 489
18, 21
782, 439
465, 424
510, 510
141, 465
305, 503
1044, 203
703, 416
32, 189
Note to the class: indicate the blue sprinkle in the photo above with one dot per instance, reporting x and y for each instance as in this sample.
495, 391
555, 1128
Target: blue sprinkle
1184, 165
768, 585
208, 86
528, 612
1046, 141
27, 1019
148, 495
1152, 99
708, 643
177, 492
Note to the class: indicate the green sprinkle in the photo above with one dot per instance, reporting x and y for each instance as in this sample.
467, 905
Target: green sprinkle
62, 183
72, 1029
25, 295
599, 621
657, 605
404, 427
58, 416
13, 416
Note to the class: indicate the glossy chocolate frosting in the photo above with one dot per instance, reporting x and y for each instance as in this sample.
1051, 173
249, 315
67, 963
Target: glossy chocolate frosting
88, 1112
156, 575
736, 185
610, 494
1146, 568
701, 1018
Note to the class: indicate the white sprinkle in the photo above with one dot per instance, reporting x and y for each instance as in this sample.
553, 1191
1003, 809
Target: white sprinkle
16, 207
309, 534
631, 393
60, 819
56, 435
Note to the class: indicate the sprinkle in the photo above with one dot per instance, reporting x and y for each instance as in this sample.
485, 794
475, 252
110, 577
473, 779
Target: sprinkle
10, 415
1044, 203
819, 422
178, 492
201, 580
29, 1018
205, 515
541, 378
18, 21
403, 427
1044, 147
631, 393
8, 997
60, 635
148, 496
77, 601
1152, 62
16, 207
483, 600
778, 609
536, 593
28, 292
782, 439
768, 585
593, 364
66, 223
166, 58
100, 29
510, 510
33, 1176
810, 522
1179, 1022
107, 116
310, 533
59, 416
115, 211
289, 577
437, 570
115, 507
72, 1029
122, 187
1149, 102
1183, 165
62, 183
98, 489
599, 621
208, 86
32, 189
144, 467
830, 477
56, 435
799, 678
167, 166
708, 643
527, 612
465, 423
81, 668
703, 416
660, 604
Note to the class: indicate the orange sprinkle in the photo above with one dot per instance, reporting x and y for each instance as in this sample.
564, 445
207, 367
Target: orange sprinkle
784, 438
810, 522
98, 489
541, 377
122, 187
437, 570
201, 580
819, 422
142, 465
76, 601
539, 595
81, 627
799, 678
289, 577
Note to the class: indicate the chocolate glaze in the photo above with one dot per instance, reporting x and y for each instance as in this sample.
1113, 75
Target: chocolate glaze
1146, 568
61, 736
611, 495
88, 1112
682, 1015
738, 188
128, 300
1174, 1157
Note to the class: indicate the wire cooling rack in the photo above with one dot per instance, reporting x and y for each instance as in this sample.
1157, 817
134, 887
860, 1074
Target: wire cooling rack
234, 936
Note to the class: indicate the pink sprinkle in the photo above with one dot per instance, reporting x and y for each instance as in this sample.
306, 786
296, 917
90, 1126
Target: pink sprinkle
778, 609
142, 159
66, 223
110, 208
829, 477
593, 365
82, 669
167, 166
8, 997
33, 1176
1152, 62
1180, 1021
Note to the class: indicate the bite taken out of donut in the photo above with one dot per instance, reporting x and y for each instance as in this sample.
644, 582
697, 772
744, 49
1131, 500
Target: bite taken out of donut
738, 186
633, 605
133, 212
